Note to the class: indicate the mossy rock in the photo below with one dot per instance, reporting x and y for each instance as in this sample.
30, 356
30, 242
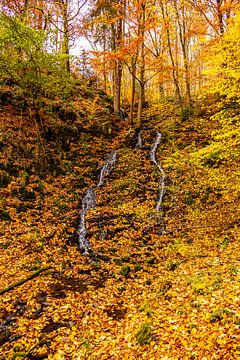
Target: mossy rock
4, 215
118, 262
125, 271
144, 334
25, 195
151, 260
172, 265
21, 208
125, 259
137, 267
5, 179
104, 258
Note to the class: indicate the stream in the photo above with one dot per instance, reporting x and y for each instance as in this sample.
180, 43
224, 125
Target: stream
163, 176
89, 202
139, 140
111, 159
89, 198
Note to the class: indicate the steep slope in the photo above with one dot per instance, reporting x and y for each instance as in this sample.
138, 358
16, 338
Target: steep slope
142, 293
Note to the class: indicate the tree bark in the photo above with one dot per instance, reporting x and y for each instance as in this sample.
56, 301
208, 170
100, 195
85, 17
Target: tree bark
174, 74
117, 78
65, 47
142, 66
220, 16
133, 91
182, 36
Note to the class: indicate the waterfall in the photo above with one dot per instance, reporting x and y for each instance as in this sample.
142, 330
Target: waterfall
111, 159
163, 176
89, 202
139, 140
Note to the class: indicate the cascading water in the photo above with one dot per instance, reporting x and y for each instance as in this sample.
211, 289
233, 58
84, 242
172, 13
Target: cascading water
111, 159
139, 140
163, 176
89, 202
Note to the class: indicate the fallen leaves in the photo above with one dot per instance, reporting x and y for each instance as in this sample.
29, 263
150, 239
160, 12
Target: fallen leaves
180, 289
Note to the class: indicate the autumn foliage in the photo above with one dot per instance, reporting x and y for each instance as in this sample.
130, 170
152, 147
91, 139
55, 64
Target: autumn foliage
159, 282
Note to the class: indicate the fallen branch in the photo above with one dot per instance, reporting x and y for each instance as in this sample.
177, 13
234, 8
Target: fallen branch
24, 355
20, 282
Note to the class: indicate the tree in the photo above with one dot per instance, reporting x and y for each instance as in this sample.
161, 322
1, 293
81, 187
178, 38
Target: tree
225, 62
66, 18
25, 61
166, 18
215, 12
106, 21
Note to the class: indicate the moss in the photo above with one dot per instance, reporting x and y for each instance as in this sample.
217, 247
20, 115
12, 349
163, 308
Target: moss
125, 259
186, 113
4, 215
5, 179
125, 270
151, 260
104, 258
118, 262
144, 334
145, 308
172, 265
137, 267
22, 207
25, 195
218, 315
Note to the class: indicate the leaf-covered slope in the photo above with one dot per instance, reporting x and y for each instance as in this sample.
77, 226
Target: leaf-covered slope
140, 295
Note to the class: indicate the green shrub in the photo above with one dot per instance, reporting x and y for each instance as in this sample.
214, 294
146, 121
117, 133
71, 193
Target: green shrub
25, 62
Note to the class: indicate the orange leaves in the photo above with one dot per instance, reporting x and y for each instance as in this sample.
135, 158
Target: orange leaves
181, 288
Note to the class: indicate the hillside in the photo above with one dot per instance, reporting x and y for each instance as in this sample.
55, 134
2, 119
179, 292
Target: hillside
158, 284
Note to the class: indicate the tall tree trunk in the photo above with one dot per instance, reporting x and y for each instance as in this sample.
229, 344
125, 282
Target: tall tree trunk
174, 71
142, 66
65, 47
40, 15
183, 42
117, 78
104, 65
117, 87
133, 90
25, 11
220, 16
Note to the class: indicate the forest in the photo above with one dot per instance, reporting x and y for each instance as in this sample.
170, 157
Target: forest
119, 179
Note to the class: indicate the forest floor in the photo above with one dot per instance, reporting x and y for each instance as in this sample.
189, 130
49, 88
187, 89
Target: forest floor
141, 294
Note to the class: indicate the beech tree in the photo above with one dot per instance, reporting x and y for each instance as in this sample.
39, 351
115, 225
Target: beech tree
106, 19
215, 12
225, 64
66, 20
139, 46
